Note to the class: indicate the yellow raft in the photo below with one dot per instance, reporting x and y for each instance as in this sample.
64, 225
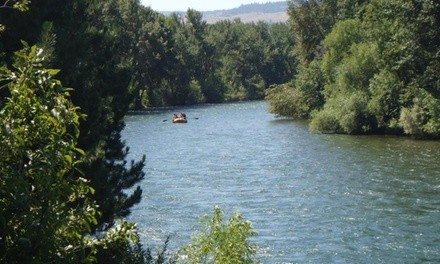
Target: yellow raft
180, 120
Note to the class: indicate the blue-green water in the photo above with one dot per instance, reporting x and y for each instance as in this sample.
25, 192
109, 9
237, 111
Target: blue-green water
312, 198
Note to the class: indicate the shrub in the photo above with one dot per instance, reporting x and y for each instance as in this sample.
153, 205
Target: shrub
324, 122
422, 118
286, 100
384, 103
299, 98
220, 242
195, 95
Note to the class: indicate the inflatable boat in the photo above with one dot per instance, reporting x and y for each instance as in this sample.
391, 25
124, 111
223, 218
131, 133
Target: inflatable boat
179, 118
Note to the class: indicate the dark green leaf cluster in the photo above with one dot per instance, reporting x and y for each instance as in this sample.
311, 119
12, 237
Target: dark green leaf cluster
250, 57
188, 61
378, 61
38, 180
158, 60
91, 44
47, 210
116, 54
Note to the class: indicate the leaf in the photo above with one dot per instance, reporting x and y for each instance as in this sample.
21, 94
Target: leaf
68, 159
53, 72
80, 151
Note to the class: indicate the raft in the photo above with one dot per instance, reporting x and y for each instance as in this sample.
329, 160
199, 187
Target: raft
180, 120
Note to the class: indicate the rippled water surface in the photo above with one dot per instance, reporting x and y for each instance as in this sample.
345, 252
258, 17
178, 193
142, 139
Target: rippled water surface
311, 198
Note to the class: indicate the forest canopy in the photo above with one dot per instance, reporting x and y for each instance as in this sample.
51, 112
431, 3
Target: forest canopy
71, 70
365, 67
66, 183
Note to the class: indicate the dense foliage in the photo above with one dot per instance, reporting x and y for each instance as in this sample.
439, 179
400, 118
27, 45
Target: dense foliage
149, 59
37, 141
91, 60
220, 241
188, 61
365, 67
46, 212
65, 182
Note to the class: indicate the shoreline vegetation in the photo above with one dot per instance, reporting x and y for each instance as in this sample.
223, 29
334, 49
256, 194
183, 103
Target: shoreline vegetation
66, 185
364, 68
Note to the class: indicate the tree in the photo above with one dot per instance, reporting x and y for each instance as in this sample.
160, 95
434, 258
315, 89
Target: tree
300, 97
220, 242
378, 59
311, 21
383, 56
152, 56
240, 52
46, 213
92, 51
39, 180
409, 38
280, 64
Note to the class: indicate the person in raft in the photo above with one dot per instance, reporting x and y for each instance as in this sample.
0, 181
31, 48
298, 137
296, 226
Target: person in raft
180, 115
179, 118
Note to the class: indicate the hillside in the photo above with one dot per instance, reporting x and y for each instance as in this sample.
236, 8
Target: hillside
269, 12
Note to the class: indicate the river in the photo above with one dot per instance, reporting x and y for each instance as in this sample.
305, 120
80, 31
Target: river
312, 198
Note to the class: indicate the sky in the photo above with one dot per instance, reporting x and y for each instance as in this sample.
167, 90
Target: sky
199, 5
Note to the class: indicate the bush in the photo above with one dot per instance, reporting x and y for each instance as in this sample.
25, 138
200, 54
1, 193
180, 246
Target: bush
286, 100
343, 114
220, 242
302, 96
44, 210
384, 104
195, 95
422, 118
325, 122
46, 213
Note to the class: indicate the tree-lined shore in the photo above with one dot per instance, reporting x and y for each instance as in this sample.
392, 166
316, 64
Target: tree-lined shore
71, 70
365, 67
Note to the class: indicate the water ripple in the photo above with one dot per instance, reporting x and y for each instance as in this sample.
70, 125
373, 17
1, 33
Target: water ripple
312, 198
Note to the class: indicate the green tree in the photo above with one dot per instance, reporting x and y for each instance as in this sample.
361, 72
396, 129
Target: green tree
348, 78
241, 58
300, 97
311, 21
408, 38
378, 59
38, 177
280, 64
156, 59
46, 214
220, 241
92, 51
382, 56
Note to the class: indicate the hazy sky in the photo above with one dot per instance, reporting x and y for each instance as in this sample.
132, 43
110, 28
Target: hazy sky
199, 5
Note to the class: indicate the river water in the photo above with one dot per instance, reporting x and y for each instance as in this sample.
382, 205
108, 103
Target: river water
312, 198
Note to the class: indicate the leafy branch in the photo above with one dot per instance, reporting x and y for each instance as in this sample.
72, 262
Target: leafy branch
22, 5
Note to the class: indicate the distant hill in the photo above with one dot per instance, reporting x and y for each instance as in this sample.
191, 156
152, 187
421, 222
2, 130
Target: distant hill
268, 12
